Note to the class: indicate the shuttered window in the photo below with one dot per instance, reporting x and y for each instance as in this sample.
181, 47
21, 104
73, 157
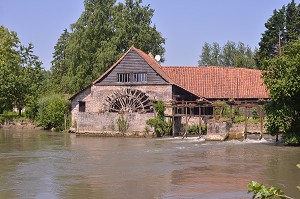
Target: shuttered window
140, 77
123, 77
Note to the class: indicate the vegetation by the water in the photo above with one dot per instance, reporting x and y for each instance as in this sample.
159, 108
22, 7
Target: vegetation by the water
282, 78
9, 115
159, 123
261, 191
52, 111
122, 124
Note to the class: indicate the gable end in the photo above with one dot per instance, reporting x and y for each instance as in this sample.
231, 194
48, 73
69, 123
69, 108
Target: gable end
136, 72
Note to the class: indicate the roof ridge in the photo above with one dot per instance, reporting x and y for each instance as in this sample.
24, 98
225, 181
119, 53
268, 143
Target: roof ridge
221, 67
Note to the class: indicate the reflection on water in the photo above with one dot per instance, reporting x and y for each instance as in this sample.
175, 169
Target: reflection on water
55, 165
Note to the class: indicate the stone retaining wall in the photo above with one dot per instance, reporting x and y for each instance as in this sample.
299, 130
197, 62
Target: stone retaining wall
18, 124
106, 124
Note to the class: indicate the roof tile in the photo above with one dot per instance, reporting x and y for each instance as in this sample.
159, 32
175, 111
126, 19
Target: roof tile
219, 82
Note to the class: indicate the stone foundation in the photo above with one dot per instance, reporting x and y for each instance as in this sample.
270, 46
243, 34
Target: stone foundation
108, 124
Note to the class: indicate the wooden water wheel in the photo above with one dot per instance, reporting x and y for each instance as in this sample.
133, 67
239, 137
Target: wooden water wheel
128, 100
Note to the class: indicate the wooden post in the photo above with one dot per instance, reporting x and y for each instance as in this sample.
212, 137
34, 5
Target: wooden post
186, 120
261, 122
246, 120
65, 124
173, 122
231, 118
199, 121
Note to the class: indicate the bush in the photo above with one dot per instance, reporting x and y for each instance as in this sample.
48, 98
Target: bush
204, 129
31, 108
194, 128
51, 111
159, 123
292, 139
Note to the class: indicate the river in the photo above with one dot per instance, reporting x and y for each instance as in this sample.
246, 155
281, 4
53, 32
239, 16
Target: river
40, 164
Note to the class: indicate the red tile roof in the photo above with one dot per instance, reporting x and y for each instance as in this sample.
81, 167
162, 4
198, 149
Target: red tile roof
209, 82
219, 82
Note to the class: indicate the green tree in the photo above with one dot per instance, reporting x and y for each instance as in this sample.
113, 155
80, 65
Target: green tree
22, 77
133, 27
33, 81
99, 37
230, 54
205, 57
282, 78
282, 28
59, 66
292, 22
10, 68
244, 56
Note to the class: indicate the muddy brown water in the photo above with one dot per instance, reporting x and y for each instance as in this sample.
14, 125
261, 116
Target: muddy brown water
39, 164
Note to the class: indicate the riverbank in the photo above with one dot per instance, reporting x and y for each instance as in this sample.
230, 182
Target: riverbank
19, 124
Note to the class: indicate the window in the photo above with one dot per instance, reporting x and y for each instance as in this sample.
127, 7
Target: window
123, 77
140, 77
81, 106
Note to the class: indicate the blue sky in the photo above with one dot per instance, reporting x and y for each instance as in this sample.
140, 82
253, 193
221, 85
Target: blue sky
186, 25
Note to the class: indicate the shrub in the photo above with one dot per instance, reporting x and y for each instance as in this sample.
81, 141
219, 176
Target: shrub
292, 139
159, 123
122, 124
52, 110
204, 129
194, 128
31, 108
255, 113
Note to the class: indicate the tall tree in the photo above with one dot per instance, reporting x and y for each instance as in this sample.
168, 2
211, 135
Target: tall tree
100, 36
33, 82
282, 78
21, 74
93, 28
10, 68
59, 66
133, 27
215, 54
205, 57
230, 54
292, 22
282, 28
